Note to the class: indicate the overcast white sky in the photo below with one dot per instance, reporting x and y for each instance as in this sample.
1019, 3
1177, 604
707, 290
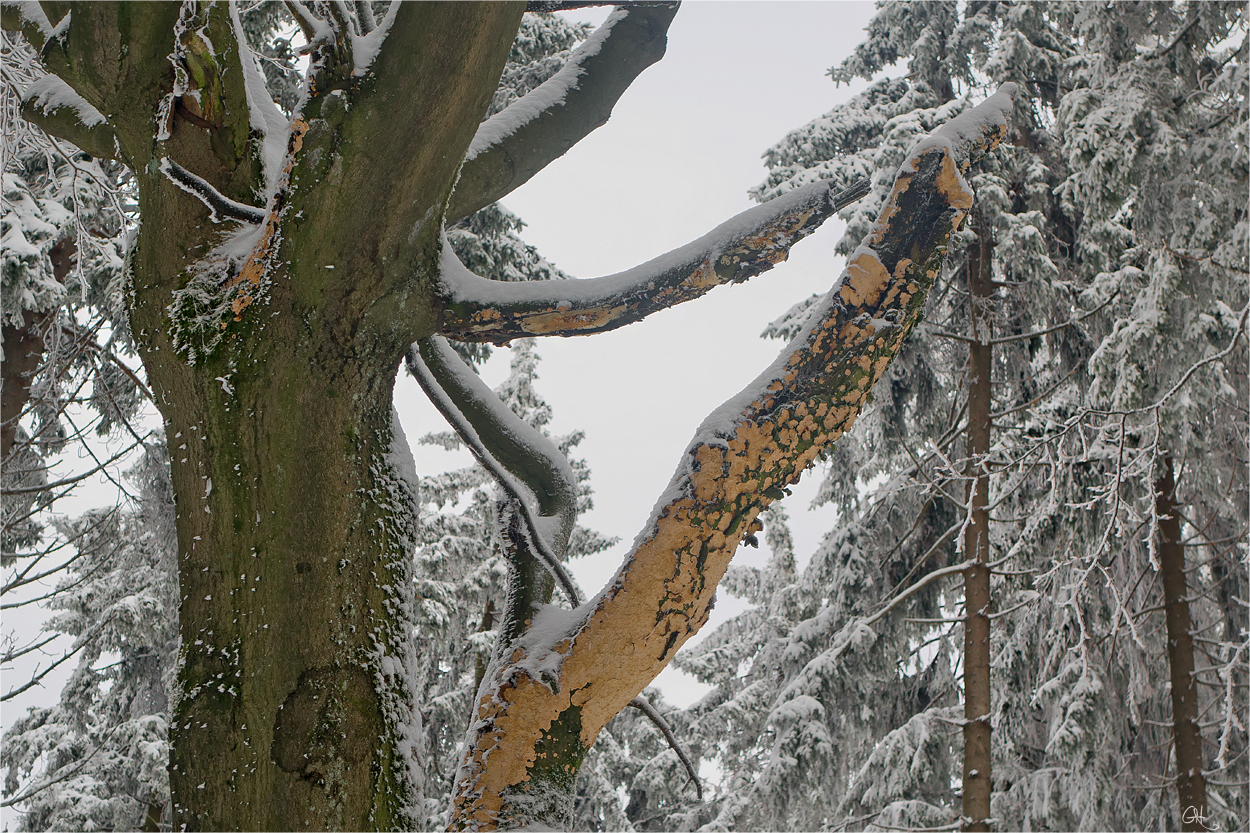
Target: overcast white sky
676, 159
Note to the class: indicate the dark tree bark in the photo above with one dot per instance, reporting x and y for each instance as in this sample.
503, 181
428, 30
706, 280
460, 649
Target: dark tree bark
1191, 787
977, 781
24, 347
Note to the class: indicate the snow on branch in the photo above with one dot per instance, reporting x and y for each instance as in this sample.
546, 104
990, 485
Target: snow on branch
528, 467
264, 116
29, 17
58, 108
477, 309
521, 140
220, 207
737, 464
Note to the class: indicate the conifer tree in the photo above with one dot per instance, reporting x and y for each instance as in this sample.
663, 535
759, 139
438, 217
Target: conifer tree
1092, 235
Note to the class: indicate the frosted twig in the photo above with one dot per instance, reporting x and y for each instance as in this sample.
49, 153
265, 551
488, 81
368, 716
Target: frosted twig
643, 705
924, 582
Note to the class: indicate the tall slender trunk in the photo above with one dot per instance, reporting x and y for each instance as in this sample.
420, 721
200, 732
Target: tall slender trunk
977, 783
1191, 787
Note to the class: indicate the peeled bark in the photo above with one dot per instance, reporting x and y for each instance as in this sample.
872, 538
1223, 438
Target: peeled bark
550, 690
1191, 788
977, 782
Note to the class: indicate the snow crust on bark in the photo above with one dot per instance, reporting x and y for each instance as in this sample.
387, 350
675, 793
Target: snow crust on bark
549, 94
264, 116
51, 93
961, 132
366, 47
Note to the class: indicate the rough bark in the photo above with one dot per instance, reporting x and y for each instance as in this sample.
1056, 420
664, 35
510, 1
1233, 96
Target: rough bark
977, 783
550, 690
1191, 787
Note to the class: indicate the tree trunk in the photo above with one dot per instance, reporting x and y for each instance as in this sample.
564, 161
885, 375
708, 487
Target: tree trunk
1191, 786
294, 709
23, 351
977, 783
273, 363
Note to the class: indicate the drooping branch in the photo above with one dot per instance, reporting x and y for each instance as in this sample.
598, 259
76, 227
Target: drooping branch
477, 309
527, 466
758, 442
524, 138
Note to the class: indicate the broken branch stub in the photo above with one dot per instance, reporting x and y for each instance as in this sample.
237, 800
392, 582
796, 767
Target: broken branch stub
559, 686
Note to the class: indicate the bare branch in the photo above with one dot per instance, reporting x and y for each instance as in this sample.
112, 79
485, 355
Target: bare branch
643, 705
364, 17
524, 138
309, 24
53, 105
219, 206
477, 309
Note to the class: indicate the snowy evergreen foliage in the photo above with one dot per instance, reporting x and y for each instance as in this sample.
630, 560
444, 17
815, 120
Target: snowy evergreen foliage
1117, 223
461, 576
99, 755
61, 256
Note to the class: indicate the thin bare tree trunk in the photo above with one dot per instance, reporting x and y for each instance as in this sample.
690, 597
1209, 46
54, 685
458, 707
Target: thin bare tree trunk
977, 783
1191, 787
